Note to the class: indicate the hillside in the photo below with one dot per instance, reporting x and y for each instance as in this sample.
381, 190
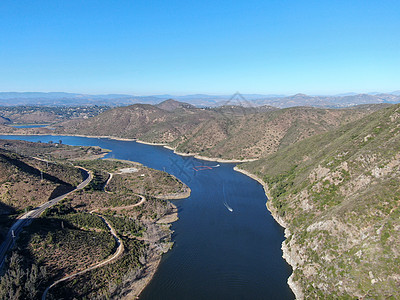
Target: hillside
337, 194
5, 129
26, 114
4, 120
143, 121
75, 234
254, 135
25, 181
171, 105
227, 132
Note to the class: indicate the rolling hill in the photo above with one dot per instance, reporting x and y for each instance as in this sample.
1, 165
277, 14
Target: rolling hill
172, 105
227, 132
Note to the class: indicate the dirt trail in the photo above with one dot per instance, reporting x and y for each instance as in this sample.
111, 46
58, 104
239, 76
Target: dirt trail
119, 208
115, 256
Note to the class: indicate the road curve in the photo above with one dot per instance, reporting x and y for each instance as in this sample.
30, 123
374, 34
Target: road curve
117, 253
142, 198
108, 181
27, 218
119, 208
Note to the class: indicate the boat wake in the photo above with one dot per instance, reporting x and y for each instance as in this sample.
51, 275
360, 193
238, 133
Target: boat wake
228, 207
226, 203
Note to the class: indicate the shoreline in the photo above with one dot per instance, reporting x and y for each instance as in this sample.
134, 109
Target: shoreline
151, 144
92, 137
177, 196
220, 160
151, 267
171, 217
195, 155
296, 289
78, 135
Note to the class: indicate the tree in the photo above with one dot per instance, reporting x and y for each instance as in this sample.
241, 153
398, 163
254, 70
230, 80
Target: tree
20, 283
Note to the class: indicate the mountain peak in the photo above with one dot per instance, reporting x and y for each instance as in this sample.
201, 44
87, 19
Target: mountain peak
171, 105
300, 95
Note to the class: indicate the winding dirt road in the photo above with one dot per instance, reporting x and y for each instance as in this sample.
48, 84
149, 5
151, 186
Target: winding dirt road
119, 208
117, 253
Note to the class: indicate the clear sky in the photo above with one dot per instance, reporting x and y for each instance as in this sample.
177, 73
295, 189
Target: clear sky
216, 47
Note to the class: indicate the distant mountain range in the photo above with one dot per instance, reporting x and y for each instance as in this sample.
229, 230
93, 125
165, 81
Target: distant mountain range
200, 100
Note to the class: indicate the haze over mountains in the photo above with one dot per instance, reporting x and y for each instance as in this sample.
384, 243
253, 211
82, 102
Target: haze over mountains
200, 100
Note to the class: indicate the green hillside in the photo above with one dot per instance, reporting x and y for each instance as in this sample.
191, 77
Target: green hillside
338, 194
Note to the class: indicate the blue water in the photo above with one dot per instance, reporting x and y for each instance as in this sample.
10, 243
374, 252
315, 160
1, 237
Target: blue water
227, 245
28, 126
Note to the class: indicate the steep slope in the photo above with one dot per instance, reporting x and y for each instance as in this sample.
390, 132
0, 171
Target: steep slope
338, 195
253, 135
28, 181
4, 120
25, 181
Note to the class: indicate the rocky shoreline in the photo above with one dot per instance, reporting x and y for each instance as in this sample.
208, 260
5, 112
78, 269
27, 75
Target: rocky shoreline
151, 267
286, 254
137, 286
196, 155
182, 195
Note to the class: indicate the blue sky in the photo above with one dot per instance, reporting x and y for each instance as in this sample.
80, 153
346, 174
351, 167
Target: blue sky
216, 47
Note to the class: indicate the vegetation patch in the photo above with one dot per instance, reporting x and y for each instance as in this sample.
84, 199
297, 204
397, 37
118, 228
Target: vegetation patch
338, 193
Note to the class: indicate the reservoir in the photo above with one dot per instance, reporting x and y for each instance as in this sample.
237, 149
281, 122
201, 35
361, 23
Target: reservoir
227, 245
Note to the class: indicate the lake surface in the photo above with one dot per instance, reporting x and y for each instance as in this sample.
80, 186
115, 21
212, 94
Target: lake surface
29, 125
227, 245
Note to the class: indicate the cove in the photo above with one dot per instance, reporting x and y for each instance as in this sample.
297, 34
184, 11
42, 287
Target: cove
227, 245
